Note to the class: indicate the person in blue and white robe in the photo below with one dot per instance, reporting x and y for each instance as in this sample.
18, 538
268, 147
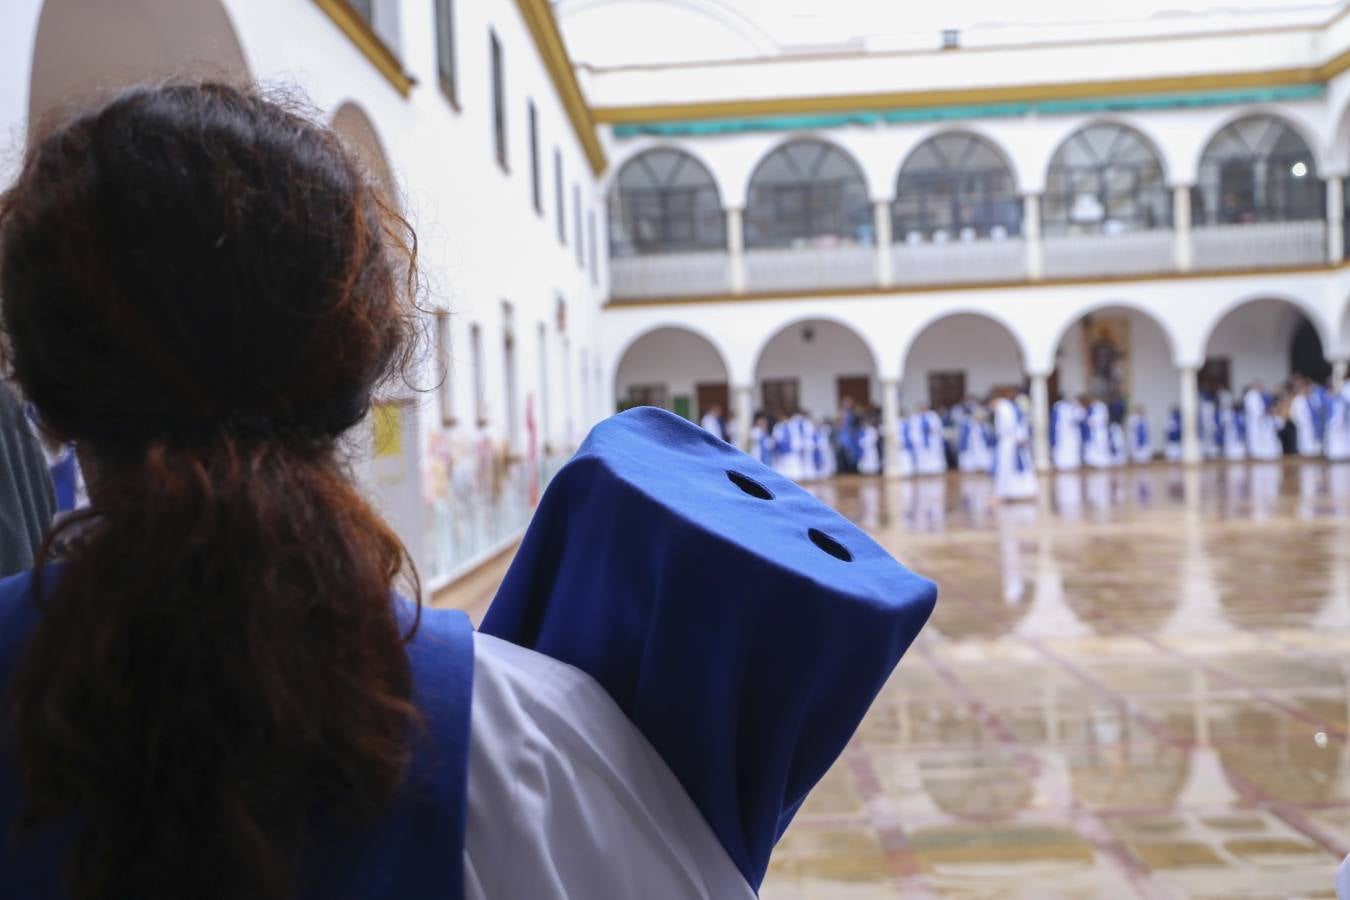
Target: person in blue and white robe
785, 460
1014, 473
1172, 450
1097, 451
974, 453
1233, 440
825, 460
904, 456
1304, 417
930, 448
804, 445
1120, 450
1141, 444
1209, 420
713, 424
761, 442
869, 449
1066, 434
1263, 428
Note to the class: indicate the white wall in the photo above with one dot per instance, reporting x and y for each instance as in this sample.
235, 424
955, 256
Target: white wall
1153, 377
675, 357
1256, 338
981, 348
832, 352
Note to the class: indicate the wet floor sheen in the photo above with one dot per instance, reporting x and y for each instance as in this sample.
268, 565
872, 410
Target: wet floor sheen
1136, 688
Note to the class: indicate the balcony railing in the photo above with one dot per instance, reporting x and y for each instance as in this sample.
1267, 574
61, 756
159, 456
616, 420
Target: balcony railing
1129, 253
1259, 245
670, 275
911, 264
958, 262
810, 268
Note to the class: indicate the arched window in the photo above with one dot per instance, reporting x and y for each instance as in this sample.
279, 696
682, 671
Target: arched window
1257, 169
955, 185
1105, 179
665, 201
807, 192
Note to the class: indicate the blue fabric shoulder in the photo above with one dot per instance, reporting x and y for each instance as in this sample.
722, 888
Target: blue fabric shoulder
415, 850
741, 624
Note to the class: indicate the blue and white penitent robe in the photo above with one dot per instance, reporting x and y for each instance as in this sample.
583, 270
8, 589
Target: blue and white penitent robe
1173, 449
683, 645
1141, 445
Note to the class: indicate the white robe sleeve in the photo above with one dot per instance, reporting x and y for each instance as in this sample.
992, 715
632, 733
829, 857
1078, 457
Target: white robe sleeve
568, 800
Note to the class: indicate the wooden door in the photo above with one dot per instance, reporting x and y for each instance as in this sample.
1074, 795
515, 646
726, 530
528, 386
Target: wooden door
710, 395
859, 387
946, 388
781, 396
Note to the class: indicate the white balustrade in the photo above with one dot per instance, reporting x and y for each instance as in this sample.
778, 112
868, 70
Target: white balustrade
1126, 253
959, 262
810, 268
669, 275
1259, 245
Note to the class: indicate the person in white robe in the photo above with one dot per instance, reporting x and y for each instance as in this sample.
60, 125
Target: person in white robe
869, 457
1014, 472
712, 423
1208, 430
904, 456
761, 442
1097, 450
1263, 428
825, 461
1066, 434
1136, 430
1120, 451
785, 460
974, 453
1305, 421
930, 448
1172, 450
1234, 441
804, 445
1338, 425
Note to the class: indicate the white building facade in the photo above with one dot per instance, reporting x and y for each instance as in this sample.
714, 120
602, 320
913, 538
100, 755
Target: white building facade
1163, 209
470, 116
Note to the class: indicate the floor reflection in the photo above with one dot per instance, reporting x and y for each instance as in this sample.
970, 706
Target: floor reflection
1138, 686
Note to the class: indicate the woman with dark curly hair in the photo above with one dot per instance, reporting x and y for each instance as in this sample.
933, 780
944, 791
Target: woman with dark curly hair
212, 688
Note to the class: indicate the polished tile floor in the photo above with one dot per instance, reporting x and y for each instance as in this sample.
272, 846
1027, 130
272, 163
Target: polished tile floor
1137, 687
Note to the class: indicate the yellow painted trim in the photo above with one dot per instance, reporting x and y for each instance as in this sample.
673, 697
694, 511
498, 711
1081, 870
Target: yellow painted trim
360, 33
538, 16
878, 291
1334, 66
778, 106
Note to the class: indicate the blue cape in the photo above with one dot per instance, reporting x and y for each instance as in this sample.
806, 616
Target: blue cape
741, 624
414, 849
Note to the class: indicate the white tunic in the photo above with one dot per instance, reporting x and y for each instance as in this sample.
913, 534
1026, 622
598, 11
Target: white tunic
1305, 429
1263, 439
1014, 473
1068, 450
1234, 447
1141, 447
713, 426
932, 453
869, 458
977, 455
567, 800
1338, 425
1097, 452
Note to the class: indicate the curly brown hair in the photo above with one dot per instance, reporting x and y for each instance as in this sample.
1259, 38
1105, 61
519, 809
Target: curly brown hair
202, 289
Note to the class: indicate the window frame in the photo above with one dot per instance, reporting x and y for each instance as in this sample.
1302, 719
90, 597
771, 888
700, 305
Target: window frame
447, 59
497, 74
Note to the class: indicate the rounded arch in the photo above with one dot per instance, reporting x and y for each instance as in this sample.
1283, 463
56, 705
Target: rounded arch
1258, 166
676, 360
1105, 177
1170, 336
976, 350
86, 50
955, 183
354, 126
1257, 336
830, 351
663, 200
804, 189
936, 317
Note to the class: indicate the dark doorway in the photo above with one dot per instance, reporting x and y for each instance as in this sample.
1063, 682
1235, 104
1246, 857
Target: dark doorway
781, 396
859, 387
710, 395
946, 388
1216, 374
1305, 354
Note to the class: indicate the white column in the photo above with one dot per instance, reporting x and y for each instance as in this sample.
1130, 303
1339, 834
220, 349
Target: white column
881, 220
890, 424
1040, 421
1335, 219
1031, 233
743, 400
1181, 227
1338, 373
1190, 403
735, 250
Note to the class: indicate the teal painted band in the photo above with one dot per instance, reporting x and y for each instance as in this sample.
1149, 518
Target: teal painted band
1152, 102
